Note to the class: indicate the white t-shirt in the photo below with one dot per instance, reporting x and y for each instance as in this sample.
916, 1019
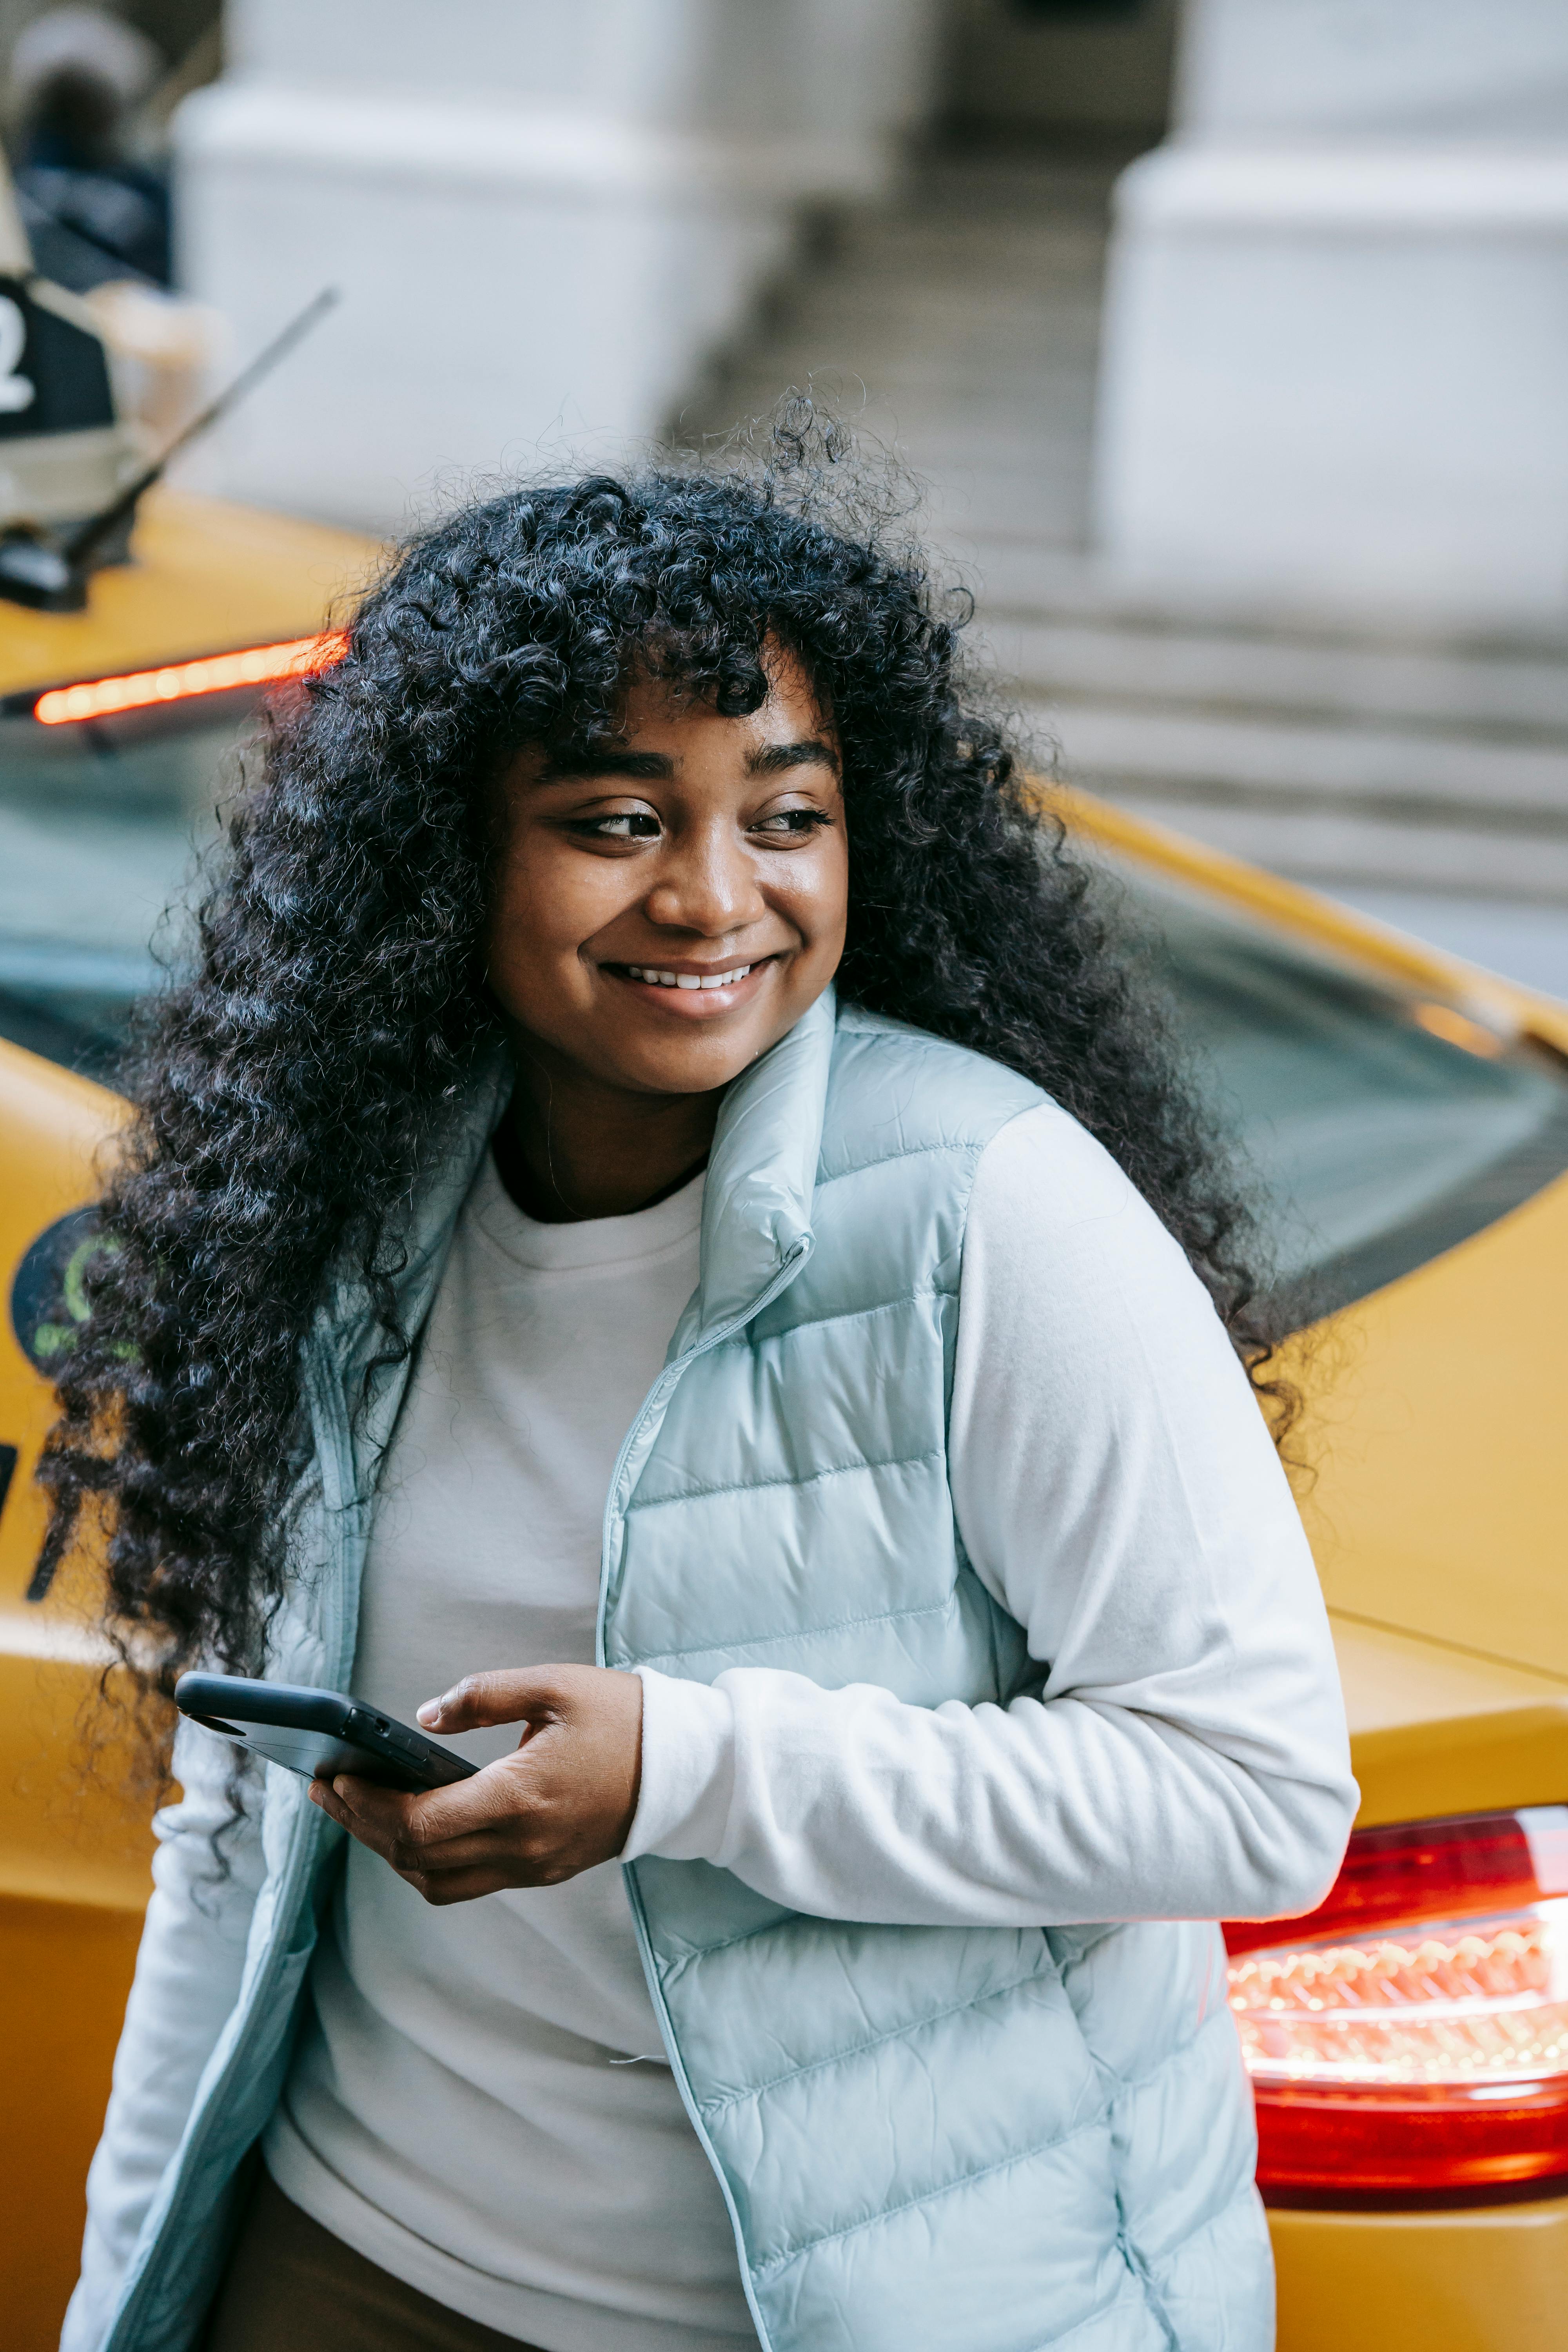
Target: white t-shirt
461, 2108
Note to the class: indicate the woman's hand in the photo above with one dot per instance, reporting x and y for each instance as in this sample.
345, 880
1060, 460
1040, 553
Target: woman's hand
562, 1802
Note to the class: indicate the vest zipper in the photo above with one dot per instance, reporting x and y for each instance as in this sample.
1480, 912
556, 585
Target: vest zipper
659, 1395
656, 1399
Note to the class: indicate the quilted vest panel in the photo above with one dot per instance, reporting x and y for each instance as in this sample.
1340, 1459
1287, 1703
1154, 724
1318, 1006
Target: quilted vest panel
919, 2138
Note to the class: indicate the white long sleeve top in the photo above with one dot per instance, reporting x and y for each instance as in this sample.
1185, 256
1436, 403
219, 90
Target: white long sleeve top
461, 2108
1117, 1491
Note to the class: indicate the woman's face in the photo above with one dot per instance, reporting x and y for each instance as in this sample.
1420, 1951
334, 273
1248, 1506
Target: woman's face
666, 909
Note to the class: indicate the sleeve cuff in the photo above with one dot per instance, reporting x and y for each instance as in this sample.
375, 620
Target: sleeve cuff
688, 1770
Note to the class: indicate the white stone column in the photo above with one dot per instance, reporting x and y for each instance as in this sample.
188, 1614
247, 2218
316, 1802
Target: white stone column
541, 217
1336, 364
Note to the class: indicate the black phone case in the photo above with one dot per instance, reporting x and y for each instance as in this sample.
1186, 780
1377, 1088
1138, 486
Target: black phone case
318, 1731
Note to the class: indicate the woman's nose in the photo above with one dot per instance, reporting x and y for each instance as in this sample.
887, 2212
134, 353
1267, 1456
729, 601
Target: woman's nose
706, 884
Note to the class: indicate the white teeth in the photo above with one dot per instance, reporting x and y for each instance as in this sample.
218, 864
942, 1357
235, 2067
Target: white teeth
688, 978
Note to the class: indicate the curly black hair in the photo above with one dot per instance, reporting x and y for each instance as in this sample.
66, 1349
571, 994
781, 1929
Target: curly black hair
288, 1089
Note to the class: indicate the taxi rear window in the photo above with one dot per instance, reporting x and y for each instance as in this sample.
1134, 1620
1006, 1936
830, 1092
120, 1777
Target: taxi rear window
1377, 1128
101, 823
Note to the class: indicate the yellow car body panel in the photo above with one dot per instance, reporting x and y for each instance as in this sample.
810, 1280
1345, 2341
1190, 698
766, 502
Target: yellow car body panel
1474, 1558
1434, 1511
73, 1853
1472, 2279
208, 577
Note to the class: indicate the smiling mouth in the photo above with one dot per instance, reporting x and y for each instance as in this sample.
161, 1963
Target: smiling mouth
660, 975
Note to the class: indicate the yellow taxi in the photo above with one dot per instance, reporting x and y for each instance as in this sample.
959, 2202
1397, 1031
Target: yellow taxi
1406, 1119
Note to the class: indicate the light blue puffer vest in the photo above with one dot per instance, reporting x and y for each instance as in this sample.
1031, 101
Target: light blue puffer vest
929, 2139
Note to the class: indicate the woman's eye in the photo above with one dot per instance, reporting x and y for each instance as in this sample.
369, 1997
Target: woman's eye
793, 822
625, 824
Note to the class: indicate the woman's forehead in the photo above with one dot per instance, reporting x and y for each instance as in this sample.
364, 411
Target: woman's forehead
649, 703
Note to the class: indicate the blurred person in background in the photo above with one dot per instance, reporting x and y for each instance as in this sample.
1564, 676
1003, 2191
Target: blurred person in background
78, 78
644, 931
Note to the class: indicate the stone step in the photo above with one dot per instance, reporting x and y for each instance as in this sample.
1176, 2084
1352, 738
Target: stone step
972, 188
1015, 268
1018, 580
1005, 440
1052, 386
995, 348
964, 283
877, 335
1052, 389
941, 376
1378, 770
1009, 454
1503, 694
1050, 505
1049, 273
1012, 235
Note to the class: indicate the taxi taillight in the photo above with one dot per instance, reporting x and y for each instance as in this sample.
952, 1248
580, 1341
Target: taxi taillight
1411, 2034
146, 689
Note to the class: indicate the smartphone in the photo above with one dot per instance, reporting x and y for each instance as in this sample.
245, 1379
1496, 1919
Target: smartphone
318, 1731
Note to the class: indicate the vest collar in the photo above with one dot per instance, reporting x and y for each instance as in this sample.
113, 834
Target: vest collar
762, 1172
756, 1206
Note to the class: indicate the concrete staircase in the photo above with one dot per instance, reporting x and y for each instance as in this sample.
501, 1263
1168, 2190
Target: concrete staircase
959, 324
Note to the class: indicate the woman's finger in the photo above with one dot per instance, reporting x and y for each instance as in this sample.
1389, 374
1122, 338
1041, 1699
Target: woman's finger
399, 1824
347, 1800
494, 1848
422, 1865
504, 1695
443, 1887
436, 1829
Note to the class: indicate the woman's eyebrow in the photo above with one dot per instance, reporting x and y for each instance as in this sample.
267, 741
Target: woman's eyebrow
811, 751
650, 767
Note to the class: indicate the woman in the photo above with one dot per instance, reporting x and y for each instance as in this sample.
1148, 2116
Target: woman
659, 1215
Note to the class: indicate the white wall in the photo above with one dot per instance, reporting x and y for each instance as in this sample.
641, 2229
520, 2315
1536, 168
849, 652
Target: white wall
541, 218
1335, 362
1431, 70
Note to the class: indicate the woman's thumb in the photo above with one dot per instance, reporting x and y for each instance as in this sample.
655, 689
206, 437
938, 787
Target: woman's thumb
499, 1697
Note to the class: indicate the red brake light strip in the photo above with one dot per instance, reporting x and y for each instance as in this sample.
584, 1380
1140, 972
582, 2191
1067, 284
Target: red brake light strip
1410, 2036
142, 689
